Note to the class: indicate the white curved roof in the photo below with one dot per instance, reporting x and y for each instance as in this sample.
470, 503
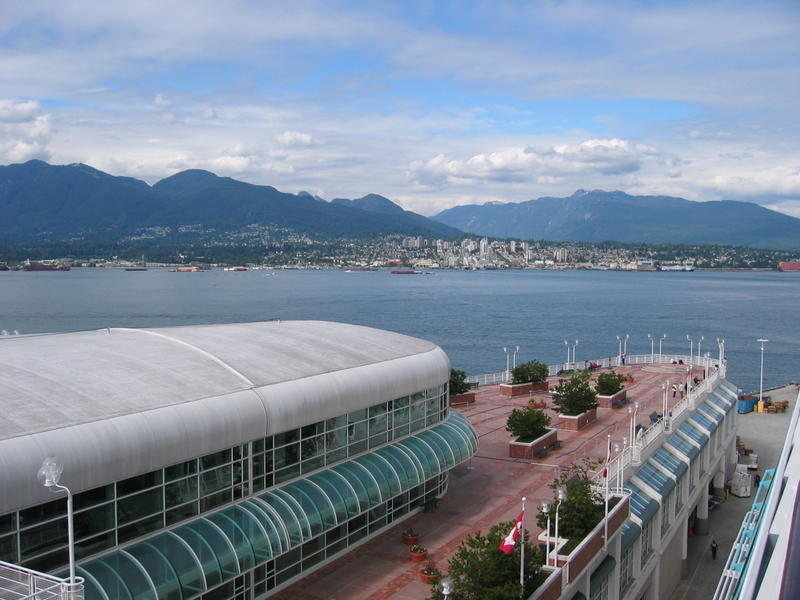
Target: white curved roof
115, 403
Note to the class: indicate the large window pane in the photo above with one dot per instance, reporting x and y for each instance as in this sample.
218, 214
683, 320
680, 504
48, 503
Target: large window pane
140, 482
214, 460
180, 492
135, 507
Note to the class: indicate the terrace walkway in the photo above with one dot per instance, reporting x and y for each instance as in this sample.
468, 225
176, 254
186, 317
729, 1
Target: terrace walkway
484, 491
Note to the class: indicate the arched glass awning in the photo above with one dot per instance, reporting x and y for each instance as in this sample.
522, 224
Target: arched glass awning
184, 562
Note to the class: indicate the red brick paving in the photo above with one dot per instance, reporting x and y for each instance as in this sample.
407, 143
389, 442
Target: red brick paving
483, 491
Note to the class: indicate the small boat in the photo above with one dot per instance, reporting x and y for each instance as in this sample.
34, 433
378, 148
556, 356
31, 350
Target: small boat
235, 269
406, 272
136, 268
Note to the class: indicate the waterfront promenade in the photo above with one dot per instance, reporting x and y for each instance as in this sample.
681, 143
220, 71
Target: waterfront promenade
484, 491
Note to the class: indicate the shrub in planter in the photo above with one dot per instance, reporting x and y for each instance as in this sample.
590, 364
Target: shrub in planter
417, 552
609, 384
574, 396
582, 508
530, 372
458, 382
430, 574
410, 536
527, 423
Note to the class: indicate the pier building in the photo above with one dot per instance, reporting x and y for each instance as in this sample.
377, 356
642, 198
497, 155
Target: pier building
218, 461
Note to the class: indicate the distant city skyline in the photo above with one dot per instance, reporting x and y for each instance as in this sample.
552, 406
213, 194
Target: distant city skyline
430, 105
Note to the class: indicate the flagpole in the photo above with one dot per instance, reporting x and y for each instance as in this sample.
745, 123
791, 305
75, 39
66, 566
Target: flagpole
605, 525
522, 546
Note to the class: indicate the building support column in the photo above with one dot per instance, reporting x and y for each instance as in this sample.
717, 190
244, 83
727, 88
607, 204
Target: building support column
685, 550
701, 522
719, 482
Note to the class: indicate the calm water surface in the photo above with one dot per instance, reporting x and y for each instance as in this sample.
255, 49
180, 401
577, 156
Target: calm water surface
471, 314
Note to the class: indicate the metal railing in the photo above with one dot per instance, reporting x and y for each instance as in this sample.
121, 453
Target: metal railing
19, 583
612, 361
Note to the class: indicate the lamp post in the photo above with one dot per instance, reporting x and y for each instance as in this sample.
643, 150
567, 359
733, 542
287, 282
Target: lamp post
652, 346
607, 475
49, 474
663, 337
698, 347
761, 380
619, 352
514, 358
620, 460
508, 360
691, 350
546, 510
708, 358
632, 412
574, 346
446, 586
562, 494
625, 345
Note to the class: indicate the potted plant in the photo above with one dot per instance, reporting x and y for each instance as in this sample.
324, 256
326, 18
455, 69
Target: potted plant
576, 400
430, 574
531, 427
526, 377
417, 552
410, 536
610, 392
459, 388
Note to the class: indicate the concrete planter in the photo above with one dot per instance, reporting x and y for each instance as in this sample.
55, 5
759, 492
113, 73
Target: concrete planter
613, 401
519, 389
466, 398
578, 422
528, 450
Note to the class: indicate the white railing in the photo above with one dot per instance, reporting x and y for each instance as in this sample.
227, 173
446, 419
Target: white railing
613, 361
19, 583
632, 454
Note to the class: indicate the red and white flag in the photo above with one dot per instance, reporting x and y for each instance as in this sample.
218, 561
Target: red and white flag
507, 545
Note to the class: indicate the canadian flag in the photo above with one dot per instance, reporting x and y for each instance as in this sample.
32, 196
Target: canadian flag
507, 545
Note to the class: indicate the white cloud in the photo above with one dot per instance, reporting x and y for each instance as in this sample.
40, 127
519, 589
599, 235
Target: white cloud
294, 138
161, 100
543, 164
787, 207
24, 131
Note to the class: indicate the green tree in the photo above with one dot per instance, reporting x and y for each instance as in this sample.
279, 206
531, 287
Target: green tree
527, 423
609, 384
458, 382
575, 395
529, 372
582, 509
480, 571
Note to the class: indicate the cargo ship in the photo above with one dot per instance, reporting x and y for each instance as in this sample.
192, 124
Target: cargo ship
44, 266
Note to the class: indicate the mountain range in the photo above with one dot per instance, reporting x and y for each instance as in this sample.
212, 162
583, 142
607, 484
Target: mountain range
43, 202
597, 216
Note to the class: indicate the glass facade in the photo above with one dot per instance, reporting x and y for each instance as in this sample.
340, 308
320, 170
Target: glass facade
246, 519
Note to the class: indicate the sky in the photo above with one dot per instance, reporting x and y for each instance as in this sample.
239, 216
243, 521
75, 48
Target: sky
431, 104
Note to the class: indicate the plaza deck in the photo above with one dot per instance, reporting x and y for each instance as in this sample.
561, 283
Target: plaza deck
484, 491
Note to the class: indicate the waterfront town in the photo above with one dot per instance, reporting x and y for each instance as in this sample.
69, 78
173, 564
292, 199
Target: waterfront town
296, 251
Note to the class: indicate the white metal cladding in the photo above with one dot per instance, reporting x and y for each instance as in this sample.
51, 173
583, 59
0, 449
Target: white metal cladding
117, 403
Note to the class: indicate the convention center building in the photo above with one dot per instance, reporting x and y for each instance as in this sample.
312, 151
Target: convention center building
218, 461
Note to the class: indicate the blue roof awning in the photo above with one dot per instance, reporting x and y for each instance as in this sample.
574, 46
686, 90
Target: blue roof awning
670, 462
630, 531
655, 479
693, 433
601, 573
701, 421
728, 390
682, 446
642, 505
712, 411
723, 403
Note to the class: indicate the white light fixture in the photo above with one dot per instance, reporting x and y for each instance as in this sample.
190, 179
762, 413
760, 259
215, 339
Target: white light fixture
50, 474
446, 586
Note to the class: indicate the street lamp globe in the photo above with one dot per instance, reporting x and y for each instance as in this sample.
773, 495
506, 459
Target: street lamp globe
446, 586
50, 472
